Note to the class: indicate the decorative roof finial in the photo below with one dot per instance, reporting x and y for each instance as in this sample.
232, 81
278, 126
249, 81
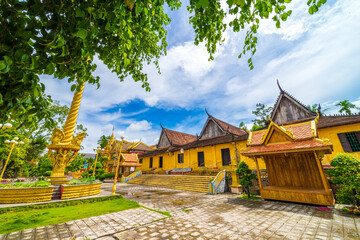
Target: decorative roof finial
319, 110
317, 118
207, 112
161, 126
277, 81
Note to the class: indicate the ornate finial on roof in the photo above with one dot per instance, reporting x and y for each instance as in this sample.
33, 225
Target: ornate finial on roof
207, 112
317, 117
197, 136
161, 126
277, 81
270, 118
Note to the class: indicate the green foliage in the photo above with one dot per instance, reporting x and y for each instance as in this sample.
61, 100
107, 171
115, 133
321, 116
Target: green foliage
17, 164
346, 172
243, 127
245, 177
88, 180
76, 164
346, 106
44, 167
26, 185
55, 40
262, 116
103, 141
105, 175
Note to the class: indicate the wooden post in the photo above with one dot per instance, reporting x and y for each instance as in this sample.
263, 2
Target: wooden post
322, 174
258, 172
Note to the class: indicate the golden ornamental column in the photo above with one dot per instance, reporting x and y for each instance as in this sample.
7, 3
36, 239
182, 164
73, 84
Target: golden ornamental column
64, 147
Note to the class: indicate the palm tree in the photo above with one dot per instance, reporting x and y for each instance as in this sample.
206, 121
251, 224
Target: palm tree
103, 141
346, 106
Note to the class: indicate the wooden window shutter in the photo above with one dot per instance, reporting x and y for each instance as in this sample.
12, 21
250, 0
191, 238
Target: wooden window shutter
344, 142
357, 134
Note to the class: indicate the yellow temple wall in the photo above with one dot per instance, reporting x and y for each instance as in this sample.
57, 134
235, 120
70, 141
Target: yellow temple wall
331, 134
212, 158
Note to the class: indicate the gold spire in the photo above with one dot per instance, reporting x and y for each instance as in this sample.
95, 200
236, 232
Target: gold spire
71, 120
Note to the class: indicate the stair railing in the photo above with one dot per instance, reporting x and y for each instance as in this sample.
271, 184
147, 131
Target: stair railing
131, 176
218, 184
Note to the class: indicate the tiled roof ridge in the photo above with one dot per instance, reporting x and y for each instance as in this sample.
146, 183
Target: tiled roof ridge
341, 115
228, 124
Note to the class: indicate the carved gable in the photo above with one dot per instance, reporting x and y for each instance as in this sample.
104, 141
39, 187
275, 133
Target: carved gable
163, 140
277, 134
278, 137
211, 129
288, 109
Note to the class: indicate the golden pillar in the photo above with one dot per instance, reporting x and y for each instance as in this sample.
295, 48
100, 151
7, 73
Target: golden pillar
64, 147
117, 167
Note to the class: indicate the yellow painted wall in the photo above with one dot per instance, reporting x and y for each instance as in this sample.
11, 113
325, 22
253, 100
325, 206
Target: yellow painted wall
331, 134
212, 158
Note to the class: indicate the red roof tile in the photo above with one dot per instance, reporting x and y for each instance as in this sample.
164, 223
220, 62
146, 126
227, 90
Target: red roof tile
230, 128
179, 138
299, 131
129, 160
286, 147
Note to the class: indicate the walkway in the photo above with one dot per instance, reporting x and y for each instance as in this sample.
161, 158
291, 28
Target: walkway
200, 216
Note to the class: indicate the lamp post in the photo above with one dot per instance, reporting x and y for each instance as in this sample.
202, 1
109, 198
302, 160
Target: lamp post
13, 144
6, 126
117, 166
98, 150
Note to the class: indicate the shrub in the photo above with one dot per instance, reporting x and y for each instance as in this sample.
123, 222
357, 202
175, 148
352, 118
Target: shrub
47, 173
346, 172
245, 177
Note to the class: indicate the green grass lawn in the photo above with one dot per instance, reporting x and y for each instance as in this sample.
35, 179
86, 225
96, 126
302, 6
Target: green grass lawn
21, 218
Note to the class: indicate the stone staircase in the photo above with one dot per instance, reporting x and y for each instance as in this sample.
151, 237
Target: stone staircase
181, 182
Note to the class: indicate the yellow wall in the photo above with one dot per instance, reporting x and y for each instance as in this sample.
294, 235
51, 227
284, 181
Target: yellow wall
331, 134
212, 158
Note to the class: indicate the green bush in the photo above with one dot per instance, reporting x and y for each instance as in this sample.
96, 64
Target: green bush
105, 175
346, 172
245, 177
47, 173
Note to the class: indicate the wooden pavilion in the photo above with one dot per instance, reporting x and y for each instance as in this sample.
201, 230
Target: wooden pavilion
292, 154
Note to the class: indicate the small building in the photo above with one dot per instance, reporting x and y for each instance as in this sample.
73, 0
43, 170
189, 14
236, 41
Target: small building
292, 154
112, 152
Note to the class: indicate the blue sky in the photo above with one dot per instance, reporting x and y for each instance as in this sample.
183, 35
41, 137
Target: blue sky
315, 57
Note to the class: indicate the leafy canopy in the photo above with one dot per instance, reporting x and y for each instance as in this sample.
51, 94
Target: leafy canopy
346, 106
62, 38
262, 116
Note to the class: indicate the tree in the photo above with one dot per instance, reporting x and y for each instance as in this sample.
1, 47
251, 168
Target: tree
61, 38
346, 172
245, 177
243, 126
346, 106
262, 113
76, 164
103, 141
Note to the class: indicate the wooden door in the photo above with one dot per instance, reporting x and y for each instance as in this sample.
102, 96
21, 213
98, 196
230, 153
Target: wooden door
201, 160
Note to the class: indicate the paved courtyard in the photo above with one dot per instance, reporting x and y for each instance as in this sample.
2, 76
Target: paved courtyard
201, 216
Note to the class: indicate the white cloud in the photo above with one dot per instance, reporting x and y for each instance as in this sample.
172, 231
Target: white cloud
138, 126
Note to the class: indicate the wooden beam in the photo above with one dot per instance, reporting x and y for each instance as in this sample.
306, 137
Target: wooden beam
258, 172
322, 174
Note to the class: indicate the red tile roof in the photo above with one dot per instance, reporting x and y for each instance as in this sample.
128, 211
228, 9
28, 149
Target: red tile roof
230, 128
179, 138
129, 160
286, 147
299, 131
